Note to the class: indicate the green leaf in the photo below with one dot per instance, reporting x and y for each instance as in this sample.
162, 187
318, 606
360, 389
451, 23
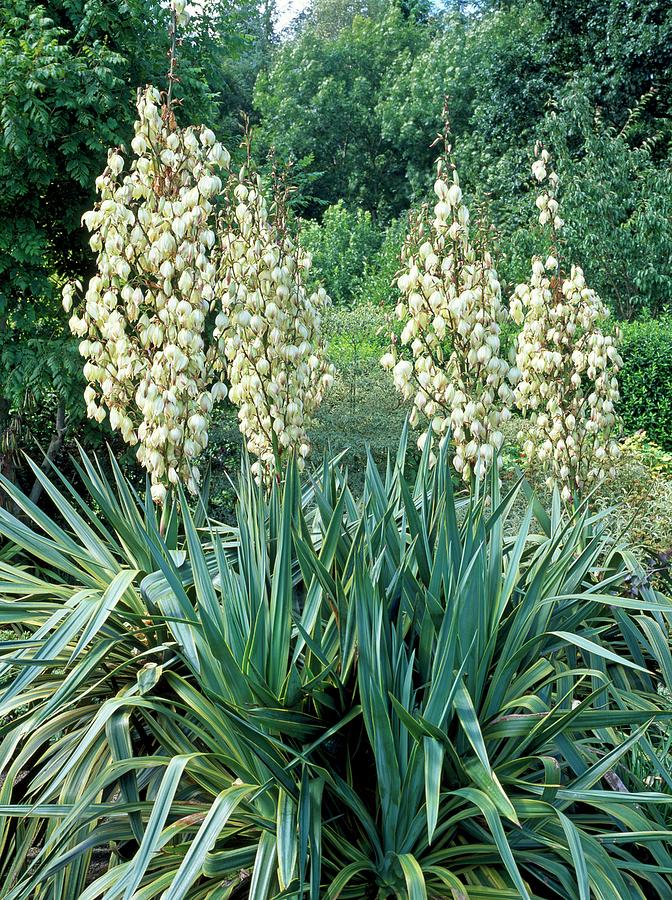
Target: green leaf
286, 830
264, 867
192, 865
415, 881
433, 752
591, 647
576, 849
160, 811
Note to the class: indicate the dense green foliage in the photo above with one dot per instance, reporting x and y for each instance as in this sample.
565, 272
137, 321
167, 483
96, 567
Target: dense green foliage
646, 380
354, 257
317, 103
342, 247
359, 107
392, 697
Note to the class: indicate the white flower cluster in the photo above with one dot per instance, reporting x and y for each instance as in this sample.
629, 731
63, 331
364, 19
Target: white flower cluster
270, 328
182, 14
451, 310
546, 201
568, 365
145, 323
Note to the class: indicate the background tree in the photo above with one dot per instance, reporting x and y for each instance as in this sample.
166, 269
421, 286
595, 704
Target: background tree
355, 104
328, 18
318, 103
625, 48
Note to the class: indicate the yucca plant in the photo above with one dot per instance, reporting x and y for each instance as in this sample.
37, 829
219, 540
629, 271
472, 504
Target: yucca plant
398, 695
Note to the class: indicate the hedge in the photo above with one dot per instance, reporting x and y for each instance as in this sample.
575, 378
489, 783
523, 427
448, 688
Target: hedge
646, 379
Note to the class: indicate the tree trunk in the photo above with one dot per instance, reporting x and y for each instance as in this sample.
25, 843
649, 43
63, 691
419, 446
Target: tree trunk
53, 450
7, 451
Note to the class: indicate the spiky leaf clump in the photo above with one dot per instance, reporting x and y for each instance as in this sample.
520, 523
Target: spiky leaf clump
387, 697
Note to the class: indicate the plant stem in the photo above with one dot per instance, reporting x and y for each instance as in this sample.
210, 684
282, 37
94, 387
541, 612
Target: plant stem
172, 56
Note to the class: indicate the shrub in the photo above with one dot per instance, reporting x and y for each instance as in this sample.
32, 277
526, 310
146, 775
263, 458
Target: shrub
649, 454
356, 336
334, 699
638, 501
646, 380
355, 257
341, 246
378, 284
